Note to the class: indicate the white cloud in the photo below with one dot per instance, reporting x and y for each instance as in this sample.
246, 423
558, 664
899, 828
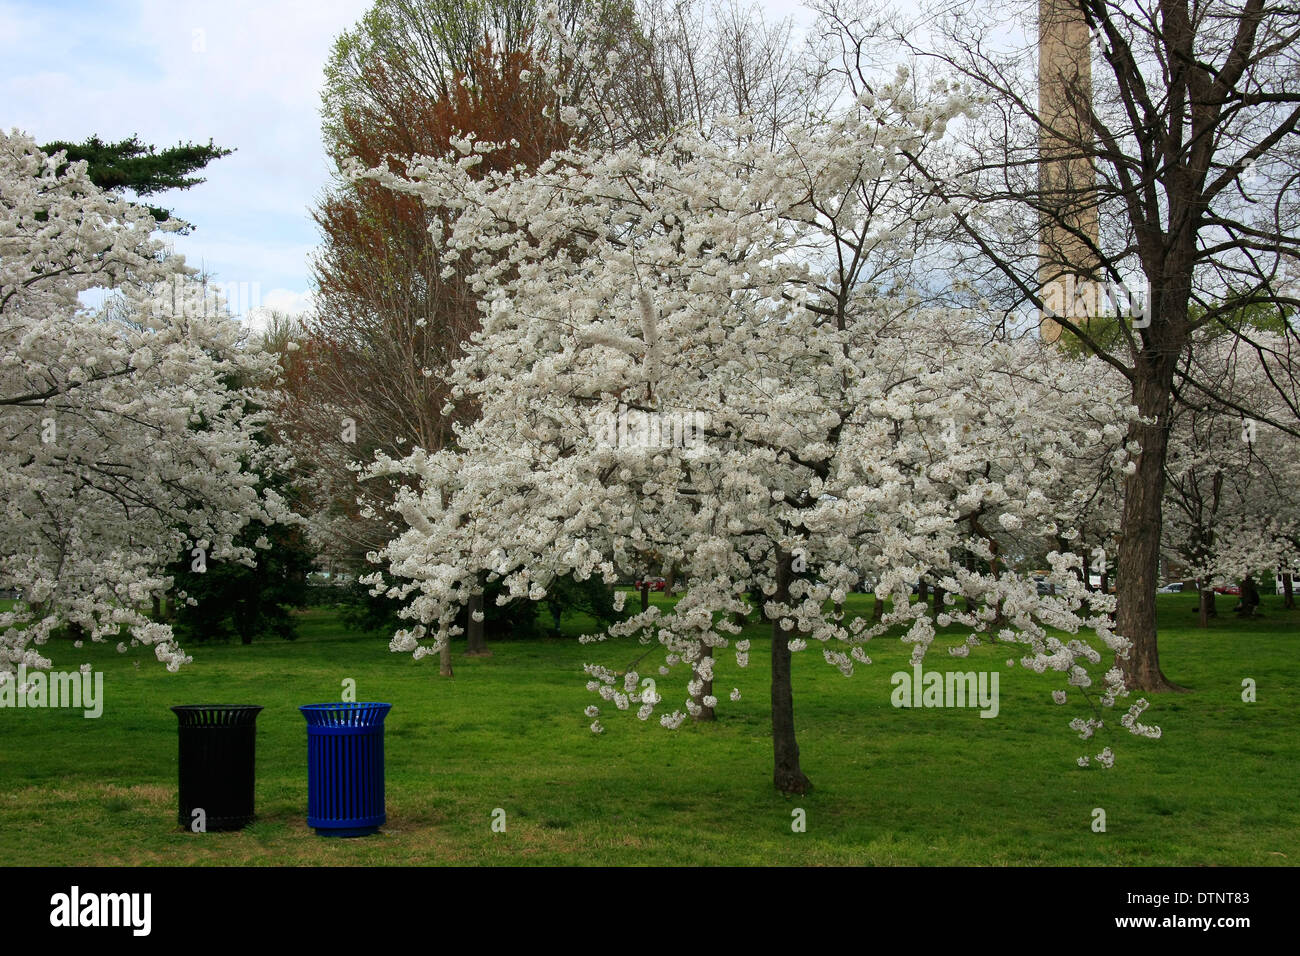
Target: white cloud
17, 28
250, 80
286, 300
278, 300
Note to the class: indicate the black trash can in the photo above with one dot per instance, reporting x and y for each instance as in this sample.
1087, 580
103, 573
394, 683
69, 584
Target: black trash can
217, 743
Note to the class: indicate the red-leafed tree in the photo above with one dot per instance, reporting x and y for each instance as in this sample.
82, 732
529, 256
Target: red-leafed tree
390, 313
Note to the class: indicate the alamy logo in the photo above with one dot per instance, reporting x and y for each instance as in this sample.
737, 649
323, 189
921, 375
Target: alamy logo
183, 296
75, 909
1075, 297
632, 428
951, 689
56, 689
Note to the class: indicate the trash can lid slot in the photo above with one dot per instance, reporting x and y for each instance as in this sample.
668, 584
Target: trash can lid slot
366, 714
186, 707
223, 715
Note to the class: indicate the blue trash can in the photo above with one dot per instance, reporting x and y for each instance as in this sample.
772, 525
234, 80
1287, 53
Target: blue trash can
345, 768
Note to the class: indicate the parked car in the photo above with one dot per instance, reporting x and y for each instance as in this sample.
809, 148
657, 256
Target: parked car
1228, 589
654, 584
1175, 587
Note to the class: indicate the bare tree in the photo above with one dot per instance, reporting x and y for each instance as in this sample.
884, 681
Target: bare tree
708, 59
1188, 114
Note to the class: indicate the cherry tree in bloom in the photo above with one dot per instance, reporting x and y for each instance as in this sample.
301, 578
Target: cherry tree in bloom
1233, 475
123, 442
713, 287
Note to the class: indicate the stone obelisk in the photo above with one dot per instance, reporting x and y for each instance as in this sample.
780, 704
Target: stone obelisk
1067, 178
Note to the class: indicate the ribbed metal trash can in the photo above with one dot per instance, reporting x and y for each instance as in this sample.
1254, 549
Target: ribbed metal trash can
345, 768
216, 764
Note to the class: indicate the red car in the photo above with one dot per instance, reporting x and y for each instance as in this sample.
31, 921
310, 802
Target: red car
1228, 589
654, 584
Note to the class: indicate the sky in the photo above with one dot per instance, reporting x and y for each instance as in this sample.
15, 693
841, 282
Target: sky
244, 73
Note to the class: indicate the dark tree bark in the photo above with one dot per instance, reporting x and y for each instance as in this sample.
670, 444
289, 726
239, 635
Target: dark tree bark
645, 595
475, 637
1206, 607
1288, 599
705, 712
995, 565
1139, 546
971, 605
1249, 597
786, 774
1204, 515
670, 579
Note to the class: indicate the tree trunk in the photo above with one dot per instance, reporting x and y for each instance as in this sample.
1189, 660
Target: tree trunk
938, 600
475, 637
923, 590
1139, 546
1249, 597
705, 712
878, 610
971, 605
1288, 598
995, 568
1206, 603
645, 595
787, 775
444, 661
670, 579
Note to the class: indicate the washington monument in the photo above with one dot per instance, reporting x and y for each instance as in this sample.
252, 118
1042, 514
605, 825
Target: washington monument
1068, 223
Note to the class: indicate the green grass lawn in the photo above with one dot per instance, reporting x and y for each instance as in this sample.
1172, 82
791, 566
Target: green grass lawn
893, 786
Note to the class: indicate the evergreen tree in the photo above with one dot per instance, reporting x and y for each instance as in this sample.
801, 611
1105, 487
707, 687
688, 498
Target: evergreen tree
140, 167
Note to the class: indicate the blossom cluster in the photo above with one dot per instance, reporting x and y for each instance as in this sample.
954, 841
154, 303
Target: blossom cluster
124, 444
878, 440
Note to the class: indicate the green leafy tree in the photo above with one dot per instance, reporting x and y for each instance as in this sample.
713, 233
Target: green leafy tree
232, 598
235, 600
139, 167
516, 619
